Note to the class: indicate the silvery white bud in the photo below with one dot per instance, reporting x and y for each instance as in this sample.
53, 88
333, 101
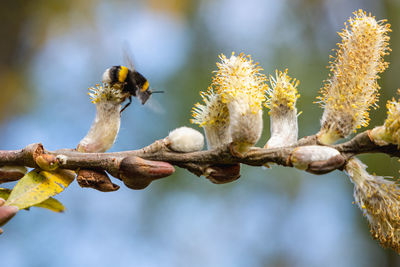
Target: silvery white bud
302, 157
185, 139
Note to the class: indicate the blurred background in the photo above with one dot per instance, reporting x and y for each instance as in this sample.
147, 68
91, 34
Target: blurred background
51, 52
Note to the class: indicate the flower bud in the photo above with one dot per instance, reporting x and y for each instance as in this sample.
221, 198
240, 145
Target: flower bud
222, 174
95, 179
11, 173
352, 88
6, 213
138, 173
185, 139
309, 158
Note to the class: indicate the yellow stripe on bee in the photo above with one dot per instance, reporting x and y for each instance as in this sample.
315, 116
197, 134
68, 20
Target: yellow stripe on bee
123, 72
145, 86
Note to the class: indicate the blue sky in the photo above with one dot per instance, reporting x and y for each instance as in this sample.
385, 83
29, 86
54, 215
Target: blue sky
273, 217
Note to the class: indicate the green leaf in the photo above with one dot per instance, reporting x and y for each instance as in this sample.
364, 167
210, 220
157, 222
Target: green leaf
50, 203
37, 186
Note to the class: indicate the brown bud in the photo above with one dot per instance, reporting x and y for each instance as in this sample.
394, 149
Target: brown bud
222, 174
138, 173
98, 180
11, 173
6, 213
325, 166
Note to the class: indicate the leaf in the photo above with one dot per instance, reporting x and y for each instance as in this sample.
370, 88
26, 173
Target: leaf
50, 203
5, 193
38, 186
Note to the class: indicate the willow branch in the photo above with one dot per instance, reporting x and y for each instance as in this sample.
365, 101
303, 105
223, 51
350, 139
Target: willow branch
196, 162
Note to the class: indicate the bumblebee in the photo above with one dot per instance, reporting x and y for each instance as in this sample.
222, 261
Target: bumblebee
130, 82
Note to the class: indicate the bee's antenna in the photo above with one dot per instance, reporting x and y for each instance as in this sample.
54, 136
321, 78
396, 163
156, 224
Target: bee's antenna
153, 92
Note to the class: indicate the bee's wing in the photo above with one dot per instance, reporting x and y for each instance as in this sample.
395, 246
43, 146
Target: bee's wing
152, 103
128, 56
154, 106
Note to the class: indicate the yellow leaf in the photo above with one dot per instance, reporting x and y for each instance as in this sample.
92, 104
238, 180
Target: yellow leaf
37, 186
50, 203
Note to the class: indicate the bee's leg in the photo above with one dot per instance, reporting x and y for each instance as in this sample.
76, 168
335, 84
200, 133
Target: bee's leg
127, 105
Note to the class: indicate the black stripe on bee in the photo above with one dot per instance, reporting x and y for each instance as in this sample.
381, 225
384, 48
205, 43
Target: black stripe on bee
114, 74
139, 79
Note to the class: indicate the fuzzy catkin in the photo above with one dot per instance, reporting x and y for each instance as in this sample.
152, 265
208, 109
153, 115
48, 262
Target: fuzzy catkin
213, 116
352, 87
389, 132
105, 128
233, 104
281, 101
379, 200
